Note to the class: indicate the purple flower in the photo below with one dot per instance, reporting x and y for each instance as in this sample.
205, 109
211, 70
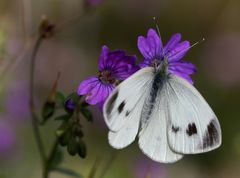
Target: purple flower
7, 139
17, 101
114, 66
153, 52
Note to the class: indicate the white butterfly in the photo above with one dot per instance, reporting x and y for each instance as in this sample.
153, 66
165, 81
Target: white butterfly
168, 114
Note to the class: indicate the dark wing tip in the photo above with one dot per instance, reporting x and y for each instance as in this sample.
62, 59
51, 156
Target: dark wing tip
211, 136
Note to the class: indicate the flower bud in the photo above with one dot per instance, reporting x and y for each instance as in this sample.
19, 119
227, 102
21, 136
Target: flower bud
46, 28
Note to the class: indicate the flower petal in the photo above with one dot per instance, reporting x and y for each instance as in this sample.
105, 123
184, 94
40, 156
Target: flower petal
183, 67
98, 94
184, 76
125, 67
144, 48
114, 57
102, 62
151, 46
121, 60
109, 90
144, 63
86, 86
125, 72
174, 40
155, 41
178, 51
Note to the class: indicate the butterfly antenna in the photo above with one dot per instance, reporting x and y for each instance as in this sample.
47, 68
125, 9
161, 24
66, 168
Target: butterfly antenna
156, 25
197, 43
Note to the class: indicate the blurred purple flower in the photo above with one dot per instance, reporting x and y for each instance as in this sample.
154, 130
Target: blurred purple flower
70, 105
114, 66
153, 52
150, 169
17, 101
7, 139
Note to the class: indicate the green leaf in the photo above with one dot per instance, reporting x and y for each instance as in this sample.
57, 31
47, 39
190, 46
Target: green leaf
48, 110
64, 117
57, 159
87, 114
82, 149
60, 98
68, 172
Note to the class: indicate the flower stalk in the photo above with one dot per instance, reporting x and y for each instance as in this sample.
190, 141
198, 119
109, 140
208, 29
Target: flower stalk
34, 116
46, 30
49, 160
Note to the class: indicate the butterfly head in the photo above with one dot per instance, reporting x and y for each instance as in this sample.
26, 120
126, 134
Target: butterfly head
161, 66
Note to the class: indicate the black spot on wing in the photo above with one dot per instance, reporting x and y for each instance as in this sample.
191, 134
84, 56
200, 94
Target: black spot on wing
111, 102
175, 129
192, 129
211, 135
121, 106
127, 113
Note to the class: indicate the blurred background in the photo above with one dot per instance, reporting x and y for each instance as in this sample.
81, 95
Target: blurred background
83, 27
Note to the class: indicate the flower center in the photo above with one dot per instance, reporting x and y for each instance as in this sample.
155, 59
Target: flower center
105, 76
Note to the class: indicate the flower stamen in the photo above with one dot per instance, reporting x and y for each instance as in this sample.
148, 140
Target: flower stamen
105, 76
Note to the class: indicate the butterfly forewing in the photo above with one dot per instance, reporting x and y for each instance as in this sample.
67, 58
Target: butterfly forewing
125, 100
127, 134
192, 126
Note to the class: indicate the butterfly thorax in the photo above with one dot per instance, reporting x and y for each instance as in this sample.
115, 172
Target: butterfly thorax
161, 66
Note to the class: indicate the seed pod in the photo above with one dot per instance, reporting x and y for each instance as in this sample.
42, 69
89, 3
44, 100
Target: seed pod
72, 146
82, 149
64, 139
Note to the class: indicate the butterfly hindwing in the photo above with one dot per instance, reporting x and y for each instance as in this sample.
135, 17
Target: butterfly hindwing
153, 135
125, 99
192, 126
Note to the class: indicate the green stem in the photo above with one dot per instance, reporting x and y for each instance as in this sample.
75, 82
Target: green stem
50, 159
35, 119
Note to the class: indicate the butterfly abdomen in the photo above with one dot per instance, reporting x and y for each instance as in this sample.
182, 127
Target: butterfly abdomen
150, 101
